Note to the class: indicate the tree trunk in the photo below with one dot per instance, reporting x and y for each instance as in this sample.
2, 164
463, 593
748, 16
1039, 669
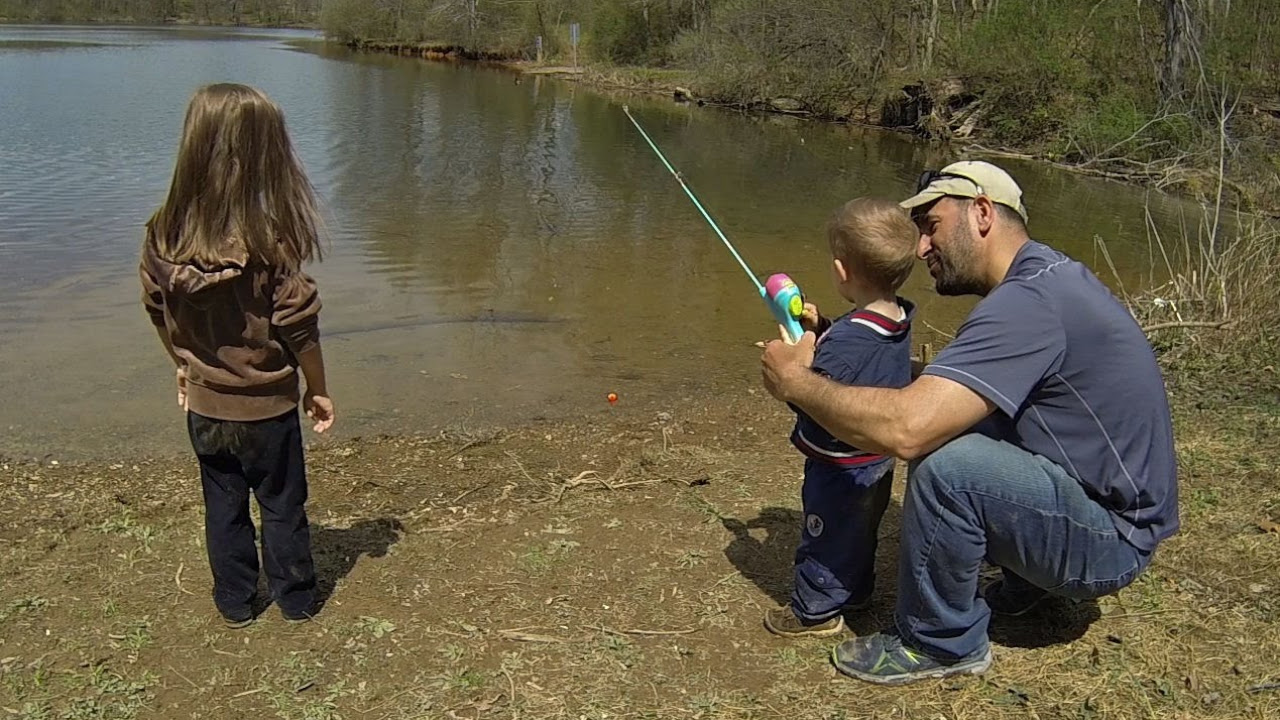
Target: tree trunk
473, 20
931, 36
1179, 45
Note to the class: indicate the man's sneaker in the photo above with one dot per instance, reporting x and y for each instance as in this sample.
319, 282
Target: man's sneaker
884, 660
783, 621
1012, 601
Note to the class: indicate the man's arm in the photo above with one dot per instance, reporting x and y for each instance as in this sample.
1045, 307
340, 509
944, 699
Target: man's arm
906, 423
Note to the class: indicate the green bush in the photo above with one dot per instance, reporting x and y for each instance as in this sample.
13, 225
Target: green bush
636, 34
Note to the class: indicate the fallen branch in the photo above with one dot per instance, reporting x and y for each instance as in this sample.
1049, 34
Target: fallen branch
1213, 324
1262, 687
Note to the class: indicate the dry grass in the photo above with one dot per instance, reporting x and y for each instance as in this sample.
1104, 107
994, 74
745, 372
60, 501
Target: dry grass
480, 582
1214, 314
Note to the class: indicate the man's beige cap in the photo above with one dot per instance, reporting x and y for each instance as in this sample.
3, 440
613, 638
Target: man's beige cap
969, 179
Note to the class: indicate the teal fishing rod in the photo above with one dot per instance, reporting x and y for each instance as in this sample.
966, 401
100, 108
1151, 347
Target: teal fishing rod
779, 292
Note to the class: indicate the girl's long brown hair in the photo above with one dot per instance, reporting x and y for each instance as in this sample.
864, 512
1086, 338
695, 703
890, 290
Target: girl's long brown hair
237, 180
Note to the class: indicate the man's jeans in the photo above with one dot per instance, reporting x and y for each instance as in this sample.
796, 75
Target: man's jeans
977, 498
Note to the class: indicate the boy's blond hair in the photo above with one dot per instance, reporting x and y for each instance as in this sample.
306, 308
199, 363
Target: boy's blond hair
875, 239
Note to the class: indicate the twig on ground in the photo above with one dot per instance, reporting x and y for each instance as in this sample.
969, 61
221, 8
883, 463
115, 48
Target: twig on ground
591, 477
583, 478
520, 465
481, 486
482, 440
184, 677
1263, 687
247, 693
177, 580
611, 631
520, 636
384, 703
638, 483
1214, 324
939, 332
511, 701
726, 579
447, 528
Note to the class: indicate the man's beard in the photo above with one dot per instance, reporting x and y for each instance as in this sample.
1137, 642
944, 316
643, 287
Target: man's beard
957, 268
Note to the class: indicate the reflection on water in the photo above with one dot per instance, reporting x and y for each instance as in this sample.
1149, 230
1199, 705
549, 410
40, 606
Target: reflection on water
502, 247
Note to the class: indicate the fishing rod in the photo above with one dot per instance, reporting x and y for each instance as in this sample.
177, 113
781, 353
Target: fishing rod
779, 292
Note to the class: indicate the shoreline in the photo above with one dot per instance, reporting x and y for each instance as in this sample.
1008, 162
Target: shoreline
676, 84
166, 23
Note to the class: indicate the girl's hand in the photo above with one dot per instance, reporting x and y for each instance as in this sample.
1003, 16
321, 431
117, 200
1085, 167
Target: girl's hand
182, 388
320, 409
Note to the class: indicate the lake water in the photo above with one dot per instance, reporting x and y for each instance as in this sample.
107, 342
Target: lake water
501, 248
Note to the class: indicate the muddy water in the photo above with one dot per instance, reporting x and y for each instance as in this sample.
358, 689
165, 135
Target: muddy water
501, 248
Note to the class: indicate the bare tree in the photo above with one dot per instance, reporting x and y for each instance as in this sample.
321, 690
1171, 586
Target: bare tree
1181, 39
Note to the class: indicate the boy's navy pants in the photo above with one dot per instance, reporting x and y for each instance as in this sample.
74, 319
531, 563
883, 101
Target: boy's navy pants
835, 563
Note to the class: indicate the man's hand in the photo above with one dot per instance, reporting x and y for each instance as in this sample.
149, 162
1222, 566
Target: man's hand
784, 364
320, 409
182, 388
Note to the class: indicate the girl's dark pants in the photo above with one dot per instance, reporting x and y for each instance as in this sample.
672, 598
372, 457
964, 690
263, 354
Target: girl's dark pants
265, 458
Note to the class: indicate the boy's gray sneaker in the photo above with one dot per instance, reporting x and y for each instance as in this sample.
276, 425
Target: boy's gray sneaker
783, 622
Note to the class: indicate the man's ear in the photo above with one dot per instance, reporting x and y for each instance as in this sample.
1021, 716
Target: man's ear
842, 272
984, 213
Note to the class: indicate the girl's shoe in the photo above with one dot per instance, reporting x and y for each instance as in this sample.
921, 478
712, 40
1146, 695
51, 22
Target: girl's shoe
237, 623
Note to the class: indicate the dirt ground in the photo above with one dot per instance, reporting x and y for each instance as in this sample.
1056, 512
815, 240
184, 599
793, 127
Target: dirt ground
614, 567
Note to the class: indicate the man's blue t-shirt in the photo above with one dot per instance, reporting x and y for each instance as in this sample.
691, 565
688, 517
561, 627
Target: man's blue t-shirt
1075, 381
860, 348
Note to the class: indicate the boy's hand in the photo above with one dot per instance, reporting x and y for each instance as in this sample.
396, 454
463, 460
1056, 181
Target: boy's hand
320, 409
182, 388
810, 319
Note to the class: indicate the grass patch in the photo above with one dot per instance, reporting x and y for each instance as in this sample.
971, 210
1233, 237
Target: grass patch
680, 596
22, 607
377, 627
95, 692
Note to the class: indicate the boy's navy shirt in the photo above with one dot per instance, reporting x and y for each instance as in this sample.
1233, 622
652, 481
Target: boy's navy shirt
862, 348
